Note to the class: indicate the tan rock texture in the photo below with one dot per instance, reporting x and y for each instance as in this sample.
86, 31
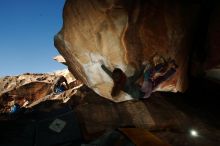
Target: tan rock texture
60, 59
123, 34
30, 89
9, 83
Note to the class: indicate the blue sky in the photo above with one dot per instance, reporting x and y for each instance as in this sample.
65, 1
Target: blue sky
27, 29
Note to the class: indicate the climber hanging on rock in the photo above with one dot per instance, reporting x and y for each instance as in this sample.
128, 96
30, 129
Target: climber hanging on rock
153, 76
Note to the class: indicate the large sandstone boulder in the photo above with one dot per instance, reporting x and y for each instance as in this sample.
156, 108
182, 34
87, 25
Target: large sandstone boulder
123, 34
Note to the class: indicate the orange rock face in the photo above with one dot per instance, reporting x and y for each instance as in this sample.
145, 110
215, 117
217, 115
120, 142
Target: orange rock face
123, 34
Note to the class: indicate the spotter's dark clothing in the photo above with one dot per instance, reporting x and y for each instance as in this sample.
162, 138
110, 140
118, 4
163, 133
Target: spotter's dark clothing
130, 86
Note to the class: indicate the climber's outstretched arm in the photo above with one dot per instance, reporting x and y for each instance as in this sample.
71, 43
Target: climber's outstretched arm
106, 70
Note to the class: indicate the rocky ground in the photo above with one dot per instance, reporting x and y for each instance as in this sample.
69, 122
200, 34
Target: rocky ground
168, 116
